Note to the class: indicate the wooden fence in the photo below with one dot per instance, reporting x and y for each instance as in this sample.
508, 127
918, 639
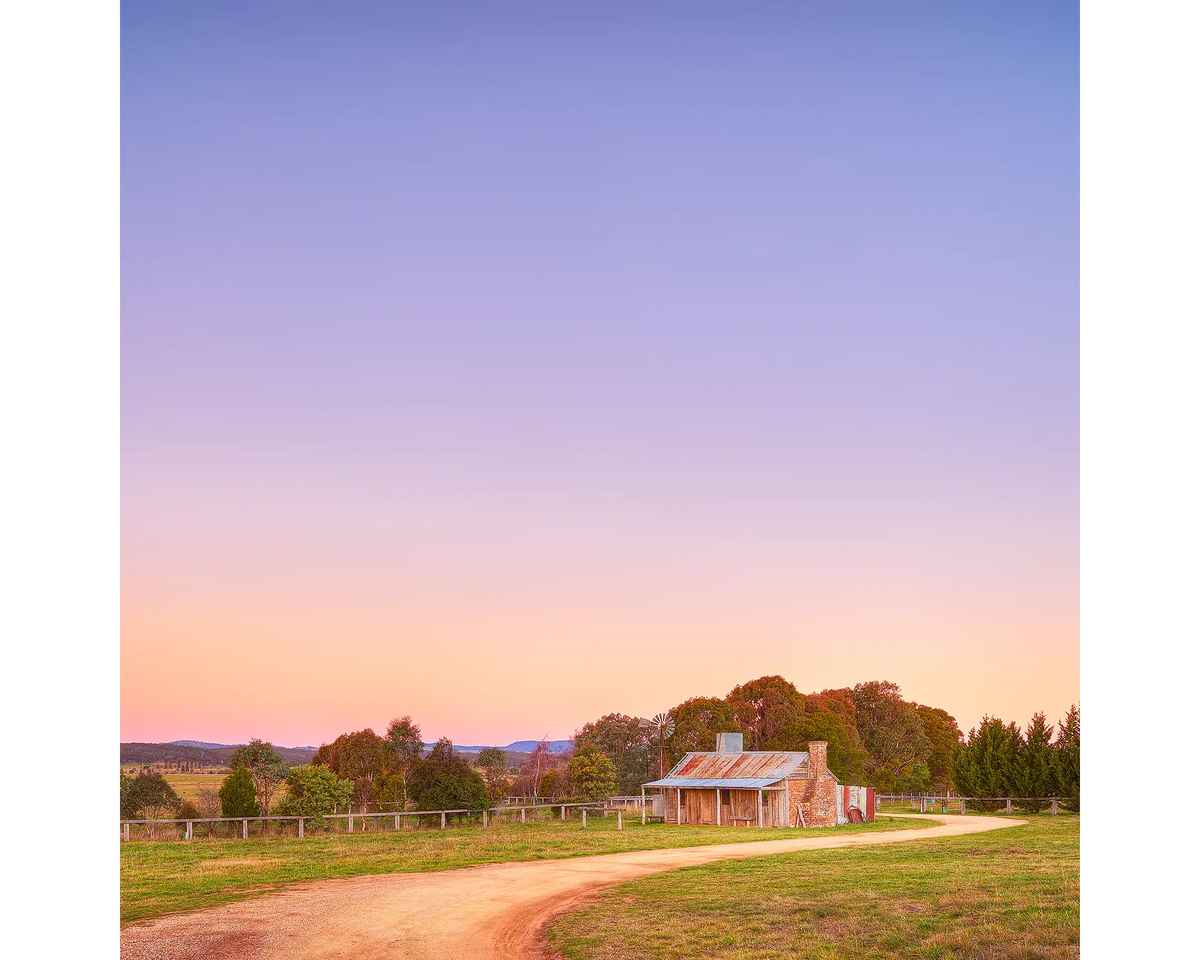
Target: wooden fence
189, 824
925, 803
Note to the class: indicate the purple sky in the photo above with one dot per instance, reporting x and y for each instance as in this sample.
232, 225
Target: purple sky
519, 330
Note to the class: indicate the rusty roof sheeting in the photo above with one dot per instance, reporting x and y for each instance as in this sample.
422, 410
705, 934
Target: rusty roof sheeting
734, 783
765, 765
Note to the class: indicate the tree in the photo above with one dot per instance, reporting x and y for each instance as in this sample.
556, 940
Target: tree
360, 758
697, 723
1036, 773
1066, 759
267, 769
894, 734
846, 755
627, 744
209, 802
944, 736
493, 762
404, 739
540, 762
985, 766
592, 774
555, 783
147, 796
445, 781
239, 798
313, 792
765, 708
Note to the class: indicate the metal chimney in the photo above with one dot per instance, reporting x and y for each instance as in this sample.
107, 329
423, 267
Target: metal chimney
729, 743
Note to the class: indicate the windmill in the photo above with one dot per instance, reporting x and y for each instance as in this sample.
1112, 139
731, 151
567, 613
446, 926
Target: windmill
661, 728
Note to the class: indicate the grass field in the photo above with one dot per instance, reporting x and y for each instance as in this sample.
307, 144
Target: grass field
1012, 894
188, 785
163, 877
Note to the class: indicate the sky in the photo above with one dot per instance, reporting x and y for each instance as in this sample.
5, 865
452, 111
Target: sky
507, 365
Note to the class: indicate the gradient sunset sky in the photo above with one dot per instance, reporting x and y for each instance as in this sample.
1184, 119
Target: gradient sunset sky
507, 365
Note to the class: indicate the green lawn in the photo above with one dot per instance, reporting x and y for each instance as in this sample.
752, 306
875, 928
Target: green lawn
163, 877
1007, 894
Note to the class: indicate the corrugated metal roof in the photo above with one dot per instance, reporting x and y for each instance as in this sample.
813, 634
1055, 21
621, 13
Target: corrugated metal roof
756, 765
751, 770
743, 783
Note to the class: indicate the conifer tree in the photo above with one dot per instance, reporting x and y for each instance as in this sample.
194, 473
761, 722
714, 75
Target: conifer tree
1066, 756
1037, 768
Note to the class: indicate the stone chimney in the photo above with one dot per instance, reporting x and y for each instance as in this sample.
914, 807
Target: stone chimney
818, 752
729, 743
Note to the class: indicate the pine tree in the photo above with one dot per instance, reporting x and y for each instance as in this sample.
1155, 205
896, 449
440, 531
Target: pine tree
987, 765
1066, 756
1037, 767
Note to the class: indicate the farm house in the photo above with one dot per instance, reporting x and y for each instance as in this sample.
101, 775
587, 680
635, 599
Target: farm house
739, 788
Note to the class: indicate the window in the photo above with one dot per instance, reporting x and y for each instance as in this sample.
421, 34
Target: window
724, 798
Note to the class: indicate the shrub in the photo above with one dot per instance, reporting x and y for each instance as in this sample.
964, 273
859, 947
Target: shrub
238, 797
445, 781
147, 796
313, 792
592, 774
188, 811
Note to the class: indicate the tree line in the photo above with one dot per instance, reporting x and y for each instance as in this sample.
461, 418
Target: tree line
999, 759
362, 767
875, 737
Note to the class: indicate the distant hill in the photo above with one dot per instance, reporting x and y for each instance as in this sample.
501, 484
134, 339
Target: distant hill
219, 754
220, 746
216, 755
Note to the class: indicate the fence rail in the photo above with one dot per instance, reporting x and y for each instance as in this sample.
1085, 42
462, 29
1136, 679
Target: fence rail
189, 822
924, 801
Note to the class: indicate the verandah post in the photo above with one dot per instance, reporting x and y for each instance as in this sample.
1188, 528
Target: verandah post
760, 807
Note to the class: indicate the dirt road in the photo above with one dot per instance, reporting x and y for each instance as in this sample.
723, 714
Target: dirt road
476, 913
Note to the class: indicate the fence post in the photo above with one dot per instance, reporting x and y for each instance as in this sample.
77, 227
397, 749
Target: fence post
1054, 807
522, 814
125, 830
397, 821
584, 811
606, 811
300, 827
245, 829
187, 833
964, 803
485, 818
1008, 804
443, 819
619, 826
350, 823
564, 811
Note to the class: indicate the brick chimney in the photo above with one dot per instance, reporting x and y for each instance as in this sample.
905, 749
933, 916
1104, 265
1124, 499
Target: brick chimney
818, 751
